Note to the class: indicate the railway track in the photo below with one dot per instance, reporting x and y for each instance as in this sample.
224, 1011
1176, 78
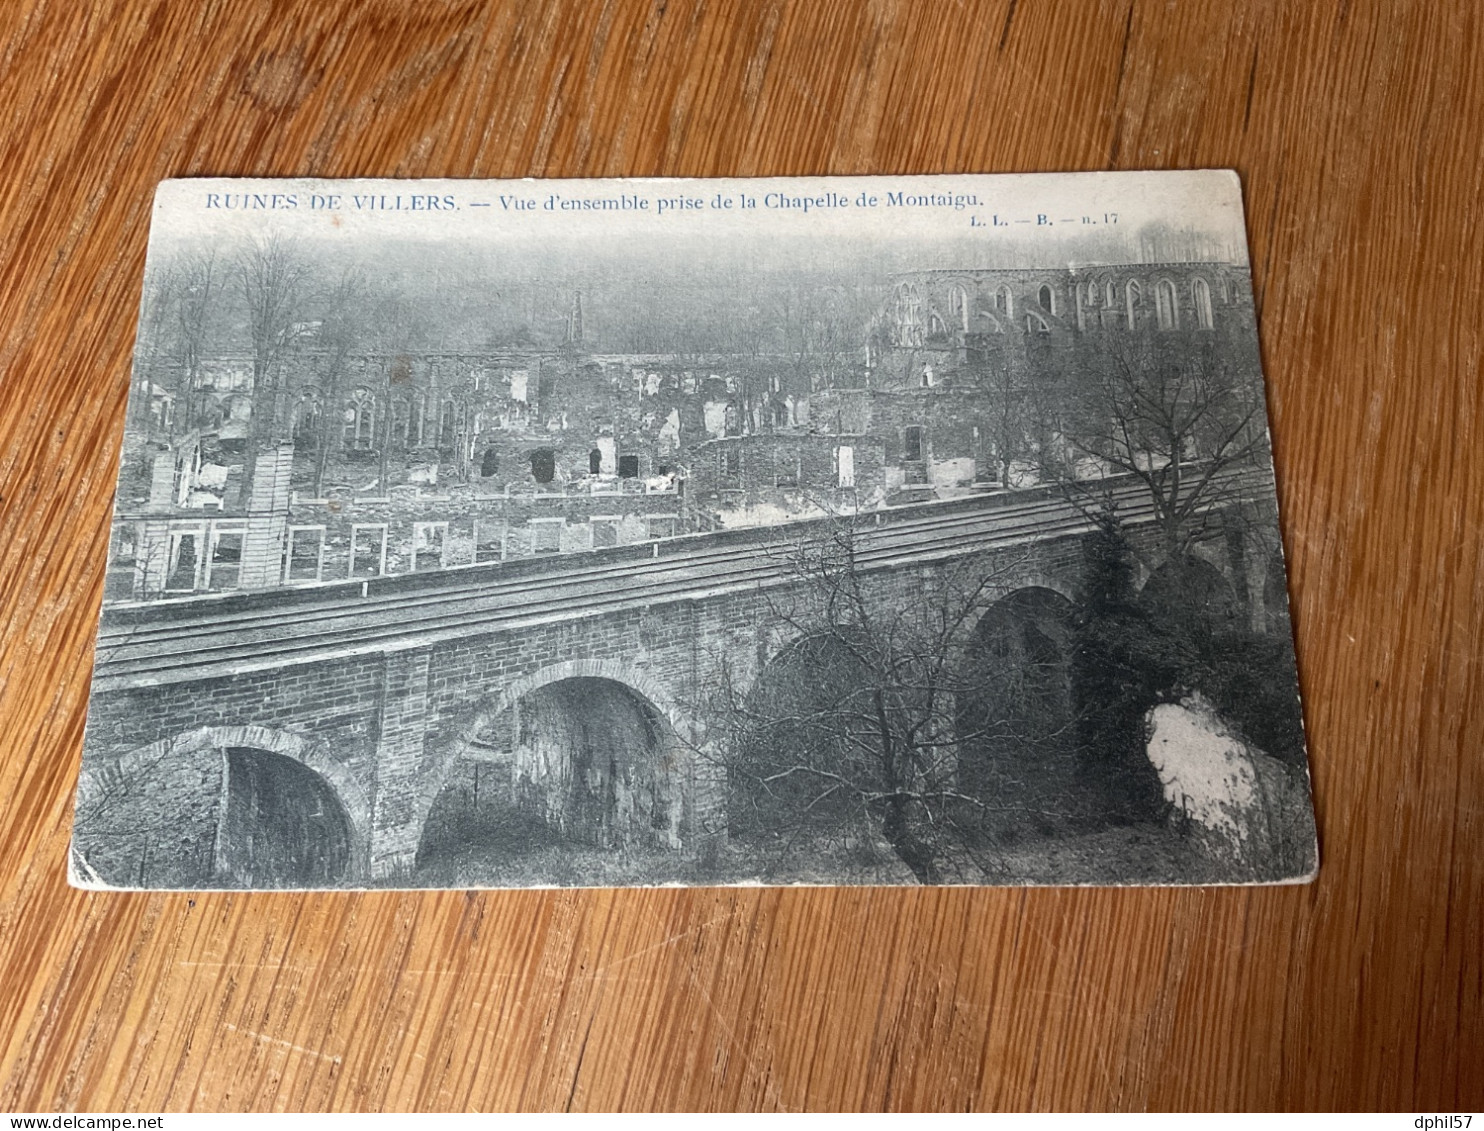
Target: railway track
210, 638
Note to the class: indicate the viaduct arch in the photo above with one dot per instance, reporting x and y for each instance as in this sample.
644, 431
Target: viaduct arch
249, 804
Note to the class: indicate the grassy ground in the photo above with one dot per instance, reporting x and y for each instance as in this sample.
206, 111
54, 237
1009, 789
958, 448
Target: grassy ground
1134, 854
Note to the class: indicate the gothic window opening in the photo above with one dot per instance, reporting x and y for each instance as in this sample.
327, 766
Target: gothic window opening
1202, 292
1004, 302
595, 462
360, 419
415, 421
401, 412
908, 315
307, 420
1165, 308
447, 425
958, 304
1133, 296
1047, 298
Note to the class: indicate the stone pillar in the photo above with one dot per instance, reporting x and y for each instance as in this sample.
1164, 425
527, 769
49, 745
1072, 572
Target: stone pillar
707, 831
267, 519
402, 722
162, 481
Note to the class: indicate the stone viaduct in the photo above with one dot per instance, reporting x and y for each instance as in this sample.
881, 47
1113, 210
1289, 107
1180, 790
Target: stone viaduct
301, 737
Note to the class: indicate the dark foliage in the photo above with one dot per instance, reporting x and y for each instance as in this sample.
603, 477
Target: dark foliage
1119, 662
1186, 631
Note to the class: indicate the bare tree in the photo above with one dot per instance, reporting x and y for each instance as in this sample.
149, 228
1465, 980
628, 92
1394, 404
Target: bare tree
858, 732
1180, 414
822, 332
198, 295
341, 332
1008, 419
1176, 415
154, 348
176, 322
273, 276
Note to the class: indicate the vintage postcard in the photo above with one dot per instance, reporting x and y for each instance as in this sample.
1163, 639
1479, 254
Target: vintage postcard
909, 530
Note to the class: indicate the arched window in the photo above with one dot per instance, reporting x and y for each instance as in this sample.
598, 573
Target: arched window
1004, 302
1133, 296
935, 325
1110, 296
1202, 292
419, 411
1047, 298
360, 419
307, 419
1165, 306
958, 305
908, 316
447, 425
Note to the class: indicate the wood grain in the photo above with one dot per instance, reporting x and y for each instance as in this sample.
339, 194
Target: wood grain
1356, 127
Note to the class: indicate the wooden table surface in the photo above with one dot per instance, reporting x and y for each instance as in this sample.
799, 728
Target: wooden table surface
1357, 129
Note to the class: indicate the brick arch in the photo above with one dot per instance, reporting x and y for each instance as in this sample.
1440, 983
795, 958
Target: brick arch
993, 600
1201, 555
348, 790
781, 644
452, 748
1208, 553
616, 670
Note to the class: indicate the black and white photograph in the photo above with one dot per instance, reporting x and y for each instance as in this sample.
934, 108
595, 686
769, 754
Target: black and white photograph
862, 530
